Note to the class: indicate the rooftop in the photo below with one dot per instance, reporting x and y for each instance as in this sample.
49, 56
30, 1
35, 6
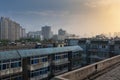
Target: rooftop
108, 69
113, 74
36, 52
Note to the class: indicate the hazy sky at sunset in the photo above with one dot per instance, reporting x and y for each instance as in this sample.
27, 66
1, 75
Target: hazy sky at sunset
75, 16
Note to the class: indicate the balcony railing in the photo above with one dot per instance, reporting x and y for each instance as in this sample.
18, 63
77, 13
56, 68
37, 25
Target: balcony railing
38, 66
10, 71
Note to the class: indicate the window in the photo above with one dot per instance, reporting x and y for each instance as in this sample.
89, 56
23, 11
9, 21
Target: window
35, 61
94, 46
6, 61
15, 64
57, 57
44, 60
103, 46
17, 78
65, 56
77, 54
5, 66
0, 67
41, 71
33, 74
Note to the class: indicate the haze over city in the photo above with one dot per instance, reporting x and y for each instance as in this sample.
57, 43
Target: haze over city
75, 16
59, 39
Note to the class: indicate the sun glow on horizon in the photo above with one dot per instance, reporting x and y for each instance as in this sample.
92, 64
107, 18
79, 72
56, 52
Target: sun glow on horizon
107, 14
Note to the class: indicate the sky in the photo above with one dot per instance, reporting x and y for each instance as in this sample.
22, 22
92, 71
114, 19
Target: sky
76, 16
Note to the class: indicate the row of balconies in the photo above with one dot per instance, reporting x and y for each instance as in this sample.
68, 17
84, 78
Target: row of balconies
34, 67
40, 77
26, 66
45, 64
38, 66
10, 71
60, 61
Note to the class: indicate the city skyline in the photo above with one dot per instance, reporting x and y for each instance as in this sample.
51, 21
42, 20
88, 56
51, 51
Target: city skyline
11, 30
83, 17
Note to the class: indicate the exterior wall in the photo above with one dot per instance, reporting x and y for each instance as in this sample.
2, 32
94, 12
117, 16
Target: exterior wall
46, 32
9, 30
40, 67
10, 67
89, 70
4, 28
72, 42
60, 63
23, 33
96, 50
36, 35
76, 60
117, 47
85, 46
17, 76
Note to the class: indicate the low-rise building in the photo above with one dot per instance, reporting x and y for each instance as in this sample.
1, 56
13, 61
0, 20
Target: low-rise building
95, 50
10, 66
98, 50
39, 64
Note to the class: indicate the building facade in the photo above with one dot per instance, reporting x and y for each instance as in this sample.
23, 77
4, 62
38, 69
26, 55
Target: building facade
35, 35
46, 32
39, 64
96, 50
62, 34
10, 30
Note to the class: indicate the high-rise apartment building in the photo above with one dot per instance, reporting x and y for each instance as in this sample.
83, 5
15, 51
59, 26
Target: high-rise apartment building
61, 32
4, 28
23, 33
10, 30
46, 32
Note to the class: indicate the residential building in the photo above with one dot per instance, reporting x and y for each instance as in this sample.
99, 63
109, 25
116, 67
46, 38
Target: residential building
35, 35
10, 66
61, 34
4, 28
24, 35
98, 50
72, 42
46, 32
95, 50
10, 30
39, 64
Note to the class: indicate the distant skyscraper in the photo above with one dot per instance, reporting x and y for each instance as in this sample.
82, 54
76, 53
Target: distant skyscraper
23, 33
61, 32
10, 30
4, 28
46, 32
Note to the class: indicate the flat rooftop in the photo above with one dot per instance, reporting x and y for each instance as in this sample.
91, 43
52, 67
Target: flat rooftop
113, 74
108, 69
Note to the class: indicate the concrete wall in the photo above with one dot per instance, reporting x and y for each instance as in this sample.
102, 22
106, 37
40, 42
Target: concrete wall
10, 71
84, 72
